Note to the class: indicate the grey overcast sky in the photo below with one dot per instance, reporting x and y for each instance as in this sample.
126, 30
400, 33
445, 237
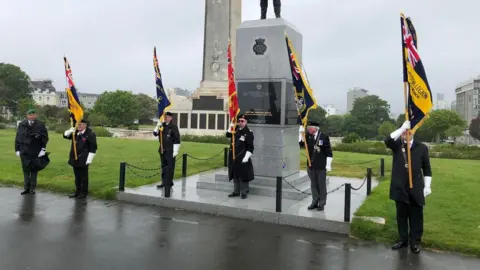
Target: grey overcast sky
347, 43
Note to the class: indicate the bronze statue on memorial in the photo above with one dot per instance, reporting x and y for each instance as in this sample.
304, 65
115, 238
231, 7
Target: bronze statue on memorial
264, 6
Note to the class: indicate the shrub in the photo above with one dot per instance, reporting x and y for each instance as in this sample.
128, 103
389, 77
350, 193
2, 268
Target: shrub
367, 147
132, 127
3, 126
60, 128
206, 139
351, 138
101, 132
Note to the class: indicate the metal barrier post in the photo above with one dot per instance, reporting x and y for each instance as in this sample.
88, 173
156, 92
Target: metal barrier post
369, 181
346, 216
184, 165
278, 203
121, 182
382, 167
225, 157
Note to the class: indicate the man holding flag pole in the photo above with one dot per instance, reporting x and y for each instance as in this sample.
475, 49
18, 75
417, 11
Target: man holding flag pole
84, 142
167, 132
317, 144
411, 170
240, 167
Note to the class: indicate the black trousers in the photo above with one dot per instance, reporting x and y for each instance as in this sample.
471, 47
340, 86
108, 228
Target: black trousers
410, 215
168, 167
30, 180
81, 180
264, 3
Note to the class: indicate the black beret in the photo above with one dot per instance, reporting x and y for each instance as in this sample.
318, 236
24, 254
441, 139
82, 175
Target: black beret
241, 116
169, 114
313, 123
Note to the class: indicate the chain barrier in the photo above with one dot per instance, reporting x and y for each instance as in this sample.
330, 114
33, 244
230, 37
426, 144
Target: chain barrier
328, 192
143, 176
221, 152
158, 170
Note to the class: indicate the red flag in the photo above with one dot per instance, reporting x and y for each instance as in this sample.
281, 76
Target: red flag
232, 90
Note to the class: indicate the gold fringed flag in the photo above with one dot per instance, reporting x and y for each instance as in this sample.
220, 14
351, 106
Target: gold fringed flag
233, 107
418, 94
302, 91
74, 107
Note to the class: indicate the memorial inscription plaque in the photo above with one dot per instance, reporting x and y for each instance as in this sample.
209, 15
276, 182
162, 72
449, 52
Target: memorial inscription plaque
260, 102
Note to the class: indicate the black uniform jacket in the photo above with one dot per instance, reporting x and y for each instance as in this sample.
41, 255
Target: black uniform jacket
86, 143
243, 143
399, 186
319, 149
170, 136
30, 140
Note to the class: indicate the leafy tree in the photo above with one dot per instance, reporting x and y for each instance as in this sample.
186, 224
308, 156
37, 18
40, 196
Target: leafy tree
14, 88
454, 131
23, 105
63, 115
439, 121
386, 128
400, 120
318, 115
120, 107
369, 112
147, 108
97, 119
474, 128
335, 125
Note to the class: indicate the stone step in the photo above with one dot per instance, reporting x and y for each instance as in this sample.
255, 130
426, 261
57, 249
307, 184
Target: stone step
266, 191
294, 180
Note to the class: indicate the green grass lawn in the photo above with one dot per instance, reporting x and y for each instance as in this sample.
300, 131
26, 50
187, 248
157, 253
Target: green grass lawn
104, 172
452, 219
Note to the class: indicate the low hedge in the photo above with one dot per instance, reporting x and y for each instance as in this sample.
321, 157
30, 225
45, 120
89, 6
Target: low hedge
205, 139
3, 126
101, 132
448, 151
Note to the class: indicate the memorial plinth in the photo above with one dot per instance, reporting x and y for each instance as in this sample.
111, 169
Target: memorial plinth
266, 97
265, 94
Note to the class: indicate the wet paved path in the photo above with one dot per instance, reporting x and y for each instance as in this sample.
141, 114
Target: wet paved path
50, 232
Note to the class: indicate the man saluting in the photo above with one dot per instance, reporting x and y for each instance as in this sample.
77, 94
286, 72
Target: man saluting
30, 143
409, 202
240, 169
86, 148
168, 149
321, 157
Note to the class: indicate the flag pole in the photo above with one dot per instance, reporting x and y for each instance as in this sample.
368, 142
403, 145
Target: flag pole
71, 118
407, 118
306, 149
233, 137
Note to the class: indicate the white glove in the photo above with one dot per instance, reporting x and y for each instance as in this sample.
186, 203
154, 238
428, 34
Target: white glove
18, 153
157, 127
301, 130
176, 147
230, 128
329, 164
428, 182
248, 154
69, 132
90, 158
397, 133
42, 153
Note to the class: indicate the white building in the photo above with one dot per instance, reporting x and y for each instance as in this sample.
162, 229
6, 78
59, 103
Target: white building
439, 103
44, 93
330, 109
354, 94
87, 99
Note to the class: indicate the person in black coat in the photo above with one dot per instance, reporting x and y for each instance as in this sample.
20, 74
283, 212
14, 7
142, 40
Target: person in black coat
240, 169
30, 144
86, 144
168, 149
321, 158
409, 202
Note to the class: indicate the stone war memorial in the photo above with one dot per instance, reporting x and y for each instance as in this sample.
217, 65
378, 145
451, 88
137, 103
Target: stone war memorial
266, 97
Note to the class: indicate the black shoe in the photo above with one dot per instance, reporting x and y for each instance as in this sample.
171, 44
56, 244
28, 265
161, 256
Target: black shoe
26, 191
82, 196
399, 245
243, 196
321, 208
233, 194
74, 195
32, 191
415, 248
312, 206
161, 185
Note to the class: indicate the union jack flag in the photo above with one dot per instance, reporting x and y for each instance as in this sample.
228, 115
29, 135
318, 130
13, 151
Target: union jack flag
410, 44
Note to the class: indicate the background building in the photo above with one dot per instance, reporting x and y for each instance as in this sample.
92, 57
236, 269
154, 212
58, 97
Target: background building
354, 94
467, 93
439, 103
44, 93
330, 109
87, 99
453, 106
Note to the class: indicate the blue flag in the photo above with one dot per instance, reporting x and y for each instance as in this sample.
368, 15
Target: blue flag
303, 93
162, 98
